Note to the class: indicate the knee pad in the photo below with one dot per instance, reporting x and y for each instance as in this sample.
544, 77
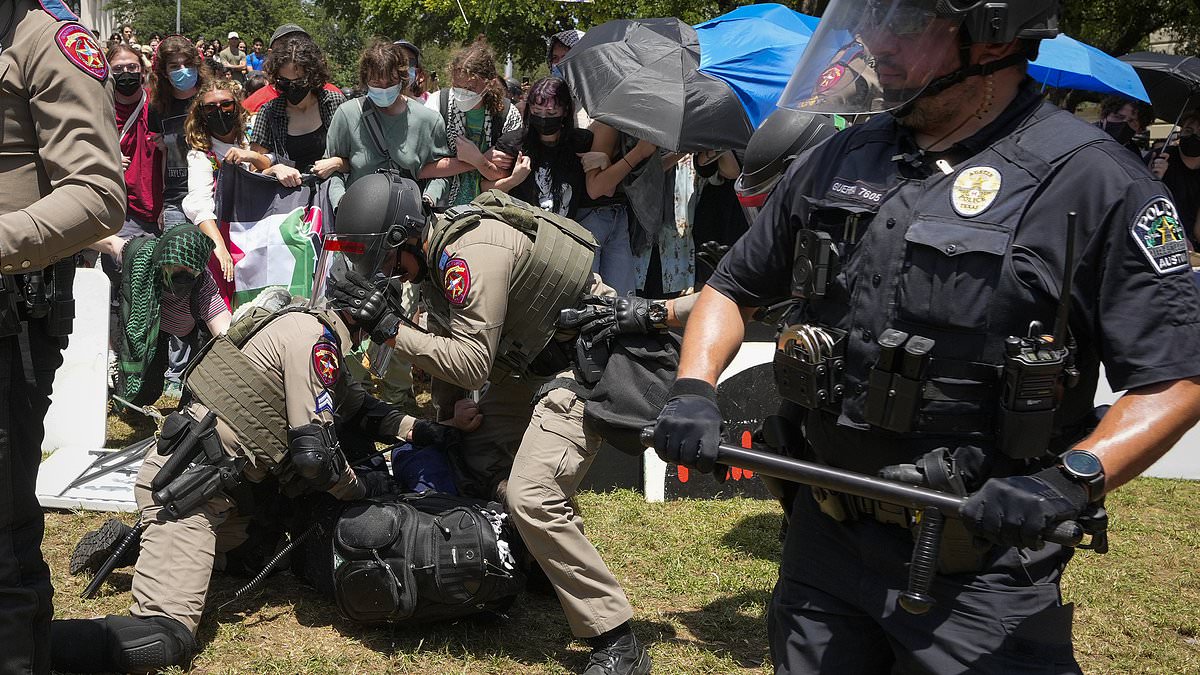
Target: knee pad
149, 644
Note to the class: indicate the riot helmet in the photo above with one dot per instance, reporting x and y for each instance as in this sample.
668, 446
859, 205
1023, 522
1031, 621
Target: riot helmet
782, 137
882, 55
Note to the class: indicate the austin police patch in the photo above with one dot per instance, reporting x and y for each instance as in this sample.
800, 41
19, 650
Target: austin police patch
457, 281
325, 363
82, 50
1159, 234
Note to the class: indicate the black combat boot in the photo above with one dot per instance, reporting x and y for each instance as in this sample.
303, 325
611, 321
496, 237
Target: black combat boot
617, 652
95, 547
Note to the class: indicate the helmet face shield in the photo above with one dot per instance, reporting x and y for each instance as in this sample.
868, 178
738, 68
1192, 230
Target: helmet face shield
873, 56
368, 255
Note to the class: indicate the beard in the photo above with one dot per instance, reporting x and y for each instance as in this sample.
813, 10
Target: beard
931, 114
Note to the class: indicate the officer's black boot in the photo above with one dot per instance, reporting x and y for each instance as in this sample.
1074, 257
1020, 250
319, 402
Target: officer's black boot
95, 547
125, 644
617, 652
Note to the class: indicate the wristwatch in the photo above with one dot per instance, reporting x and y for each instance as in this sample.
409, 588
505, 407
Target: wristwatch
657, 314
1084, 467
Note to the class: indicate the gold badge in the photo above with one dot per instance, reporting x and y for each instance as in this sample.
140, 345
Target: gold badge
974, 190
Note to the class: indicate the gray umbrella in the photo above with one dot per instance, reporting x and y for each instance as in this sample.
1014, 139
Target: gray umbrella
642, 77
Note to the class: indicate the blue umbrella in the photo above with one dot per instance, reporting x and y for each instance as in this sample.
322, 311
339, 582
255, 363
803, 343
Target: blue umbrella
1067, 63
754, 50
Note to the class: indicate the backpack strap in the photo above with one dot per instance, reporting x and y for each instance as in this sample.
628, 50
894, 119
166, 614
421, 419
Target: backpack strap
444, 106
375, 131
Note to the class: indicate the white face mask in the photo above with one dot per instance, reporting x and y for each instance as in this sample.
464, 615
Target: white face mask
465, 99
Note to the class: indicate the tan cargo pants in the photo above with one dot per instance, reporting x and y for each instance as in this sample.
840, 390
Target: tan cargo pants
544, 453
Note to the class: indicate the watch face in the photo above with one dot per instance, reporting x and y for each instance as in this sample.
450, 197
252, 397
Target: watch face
1082, 463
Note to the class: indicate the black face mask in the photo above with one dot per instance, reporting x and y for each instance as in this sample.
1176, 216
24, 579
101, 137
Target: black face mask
220, 122
180, 284
546, 126
294, 93
1190, 145
1120, 131
127, 84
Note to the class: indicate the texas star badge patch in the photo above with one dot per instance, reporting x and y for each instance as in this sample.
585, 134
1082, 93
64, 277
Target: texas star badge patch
457, 281
325, 363
1159, 234
82, 50
974, 190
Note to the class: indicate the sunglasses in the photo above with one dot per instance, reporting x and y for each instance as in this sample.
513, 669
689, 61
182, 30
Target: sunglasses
227, 105
284, 83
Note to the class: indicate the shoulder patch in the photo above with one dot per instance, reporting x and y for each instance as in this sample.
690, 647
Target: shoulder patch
58, 9
457, 281
325, 363
323, 402
443, 261
81, 49
1158, 233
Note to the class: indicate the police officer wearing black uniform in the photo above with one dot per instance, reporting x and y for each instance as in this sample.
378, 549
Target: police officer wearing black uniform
926, 251
60, 190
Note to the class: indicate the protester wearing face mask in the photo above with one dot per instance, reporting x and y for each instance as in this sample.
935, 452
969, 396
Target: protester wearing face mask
476, 113
1119, 118
409, 135
176, 76
1179, 169
216, 134
140, 158
291, 129
549, 172
418, 85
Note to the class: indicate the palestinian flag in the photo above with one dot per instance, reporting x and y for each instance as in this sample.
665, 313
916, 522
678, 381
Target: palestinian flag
273, 233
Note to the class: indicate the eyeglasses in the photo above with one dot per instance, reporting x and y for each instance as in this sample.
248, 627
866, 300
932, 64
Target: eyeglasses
285, 83
224, 106
126, 68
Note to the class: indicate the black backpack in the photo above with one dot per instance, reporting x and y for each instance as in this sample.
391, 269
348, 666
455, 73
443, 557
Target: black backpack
417, 557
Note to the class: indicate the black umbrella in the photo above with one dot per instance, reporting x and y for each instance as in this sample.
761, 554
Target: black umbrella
1173, 82
642, 77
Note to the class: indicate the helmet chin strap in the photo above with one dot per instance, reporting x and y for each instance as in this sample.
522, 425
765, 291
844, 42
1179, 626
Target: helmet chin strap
940, 84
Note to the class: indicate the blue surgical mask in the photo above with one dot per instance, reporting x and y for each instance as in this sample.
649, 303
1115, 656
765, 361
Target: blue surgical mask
383, 96
555, 71
412, 75
184, 78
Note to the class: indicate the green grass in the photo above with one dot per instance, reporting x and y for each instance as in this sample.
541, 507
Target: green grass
699, 575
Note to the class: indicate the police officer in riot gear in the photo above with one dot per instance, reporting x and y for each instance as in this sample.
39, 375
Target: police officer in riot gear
60, 190
934, 337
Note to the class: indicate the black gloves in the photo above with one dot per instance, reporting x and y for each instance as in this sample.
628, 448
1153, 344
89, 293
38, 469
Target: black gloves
689, 427
1016, 510
367, 305
375, 483
426, 433
602, 317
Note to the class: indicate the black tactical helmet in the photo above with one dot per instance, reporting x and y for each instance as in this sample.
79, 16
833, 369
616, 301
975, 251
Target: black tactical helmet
1001, 22
382, 203
780, 139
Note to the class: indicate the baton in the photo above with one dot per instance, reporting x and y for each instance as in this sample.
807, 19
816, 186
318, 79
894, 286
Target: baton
1067, 533
130, 539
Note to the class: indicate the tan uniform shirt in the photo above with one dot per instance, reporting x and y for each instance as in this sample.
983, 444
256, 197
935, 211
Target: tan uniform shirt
61, 185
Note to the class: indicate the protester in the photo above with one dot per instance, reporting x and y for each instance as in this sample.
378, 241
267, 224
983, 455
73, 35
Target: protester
719, 217
558, 46
155, 38
216, 135
233, 57
292, 128
140, 158
1179, 169
1121, 119
417, 78
256, 57
284, 32
128, 36
412, 135
549, 174
176, 76
254, 81
476, 113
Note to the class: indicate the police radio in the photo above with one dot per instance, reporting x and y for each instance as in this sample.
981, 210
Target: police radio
1036, 369
816, 264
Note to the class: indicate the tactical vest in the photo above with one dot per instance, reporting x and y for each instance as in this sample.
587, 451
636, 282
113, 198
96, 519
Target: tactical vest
224, 379
551, 277
914, 262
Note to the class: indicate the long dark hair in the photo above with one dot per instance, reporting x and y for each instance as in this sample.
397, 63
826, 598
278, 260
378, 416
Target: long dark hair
301, 51
160, 83
561, 157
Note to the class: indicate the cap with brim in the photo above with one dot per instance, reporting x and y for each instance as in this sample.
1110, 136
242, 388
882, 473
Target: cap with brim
286, 30
233, 34
413, 48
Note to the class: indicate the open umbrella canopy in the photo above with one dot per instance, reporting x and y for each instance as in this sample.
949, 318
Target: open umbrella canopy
642, 77
1067, 63
755, 49
1172, 81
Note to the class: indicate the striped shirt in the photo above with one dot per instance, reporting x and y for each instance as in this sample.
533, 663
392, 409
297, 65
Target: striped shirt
179, 317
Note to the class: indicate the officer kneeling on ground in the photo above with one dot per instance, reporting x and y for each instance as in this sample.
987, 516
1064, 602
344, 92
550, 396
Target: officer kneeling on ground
926, 251
494, 277
267, 400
